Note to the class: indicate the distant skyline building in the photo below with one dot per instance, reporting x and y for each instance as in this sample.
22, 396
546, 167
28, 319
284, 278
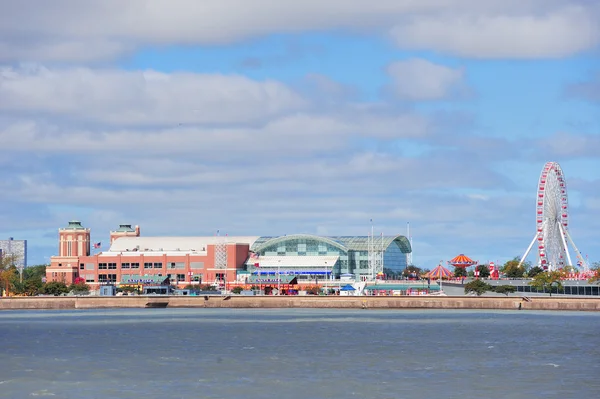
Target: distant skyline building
16, 248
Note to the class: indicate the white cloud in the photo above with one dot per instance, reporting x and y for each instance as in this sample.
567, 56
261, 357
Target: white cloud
556, 33
564, 145
420, 79
143, 97
107, 28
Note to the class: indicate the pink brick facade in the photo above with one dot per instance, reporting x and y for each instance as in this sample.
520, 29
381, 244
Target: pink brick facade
114, 267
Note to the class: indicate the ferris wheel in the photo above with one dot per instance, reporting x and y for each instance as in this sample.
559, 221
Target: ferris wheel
552, 221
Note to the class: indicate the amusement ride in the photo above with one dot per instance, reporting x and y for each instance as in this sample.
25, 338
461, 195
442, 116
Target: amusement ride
552, 222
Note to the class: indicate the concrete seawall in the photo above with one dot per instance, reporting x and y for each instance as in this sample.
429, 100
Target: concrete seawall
331, 302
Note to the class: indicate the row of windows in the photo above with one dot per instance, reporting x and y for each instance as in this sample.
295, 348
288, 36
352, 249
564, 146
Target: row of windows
107, 278
133, 265
112, 278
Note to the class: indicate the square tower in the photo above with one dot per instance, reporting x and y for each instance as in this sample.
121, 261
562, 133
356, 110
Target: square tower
124, 230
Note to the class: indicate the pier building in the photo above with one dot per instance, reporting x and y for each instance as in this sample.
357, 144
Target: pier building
221, 259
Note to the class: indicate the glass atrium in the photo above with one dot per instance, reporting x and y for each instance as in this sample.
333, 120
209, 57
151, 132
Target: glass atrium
313, 257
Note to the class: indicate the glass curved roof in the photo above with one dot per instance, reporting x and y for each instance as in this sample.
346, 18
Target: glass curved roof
349, 243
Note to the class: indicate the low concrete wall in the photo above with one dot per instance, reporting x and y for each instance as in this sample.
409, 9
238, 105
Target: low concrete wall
350, 302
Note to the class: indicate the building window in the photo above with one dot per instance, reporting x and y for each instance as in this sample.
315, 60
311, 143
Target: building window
102, 278
81, 266
135, 265
124, 265
102, 266
158, 265
148, 265
112, 265
181, 277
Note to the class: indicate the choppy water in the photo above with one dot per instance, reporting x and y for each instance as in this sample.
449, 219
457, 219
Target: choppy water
298, 353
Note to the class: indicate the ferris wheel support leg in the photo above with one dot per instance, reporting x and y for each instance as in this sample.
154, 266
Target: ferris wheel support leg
528, 250
583, 262
563, 235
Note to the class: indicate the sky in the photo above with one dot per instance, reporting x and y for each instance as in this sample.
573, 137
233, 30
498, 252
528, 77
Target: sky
273, 117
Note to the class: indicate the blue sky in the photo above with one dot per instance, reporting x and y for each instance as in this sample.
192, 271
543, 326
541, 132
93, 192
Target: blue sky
259, 118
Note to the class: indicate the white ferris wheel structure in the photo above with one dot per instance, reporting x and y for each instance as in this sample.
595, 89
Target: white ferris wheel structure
552, 222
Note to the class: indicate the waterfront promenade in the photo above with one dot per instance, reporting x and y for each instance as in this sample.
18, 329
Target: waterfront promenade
310, 301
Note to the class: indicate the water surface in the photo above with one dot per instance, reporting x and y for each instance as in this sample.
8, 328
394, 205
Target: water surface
299, 353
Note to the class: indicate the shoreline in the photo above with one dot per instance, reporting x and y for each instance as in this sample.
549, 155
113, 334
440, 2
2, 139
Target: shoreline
316, 302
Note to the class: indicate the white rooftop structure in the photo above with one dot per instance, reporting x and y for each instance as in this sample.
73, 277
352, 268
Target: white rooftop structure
179, 245
294, 261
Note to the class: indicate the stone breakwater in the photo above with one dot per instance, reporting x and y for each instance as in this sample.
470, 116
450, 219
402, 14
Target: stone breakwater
323, 302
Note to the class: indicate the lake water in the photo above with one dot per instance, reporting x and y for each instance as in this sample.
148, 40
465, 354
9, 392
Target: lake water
299, 353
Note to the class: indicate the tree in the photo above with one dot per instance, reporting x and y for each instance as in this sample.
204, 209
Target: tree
30, 282
32, 286
236, 290
79, 287
313, 290
484, 271
460, 272
596, 270
411, 271
505, 289
534, 271
479, 287
548, 281
512, 269
8, 273
55, 288
34, 272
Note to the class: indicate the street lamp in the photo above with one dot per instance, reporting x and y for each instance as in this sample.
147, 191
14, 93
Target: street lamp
328, 277
279, 277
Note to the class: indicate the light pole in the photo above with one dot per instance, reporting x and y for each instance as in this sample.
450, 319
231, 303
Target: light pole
327, 277
279, 277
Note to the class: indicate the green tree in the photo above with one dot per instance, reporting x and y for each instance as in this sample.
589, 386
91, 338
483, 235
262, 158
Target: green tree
512, 269
505, 289
548, 281
595, 268
55, 288
479, 287
460, 272
32, 286
237, 290
79, 287
8, 274
412, 270
484, 271
534, 271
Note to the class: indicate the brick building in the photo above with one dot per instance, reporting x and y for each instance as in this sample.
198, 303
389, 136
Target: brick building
131, 257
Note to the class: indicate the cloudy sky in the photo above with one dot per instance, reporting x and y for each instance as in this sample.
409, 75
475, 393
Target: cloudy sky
272, 117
